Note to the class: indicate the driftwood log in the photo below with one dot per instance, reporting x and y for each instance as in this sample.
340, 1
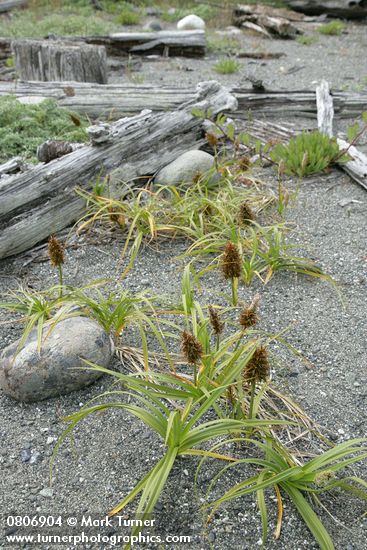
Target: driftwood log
349, 9
167, 43
8, 5
53, 60
357, 166
42, 201
270, 22
116, 101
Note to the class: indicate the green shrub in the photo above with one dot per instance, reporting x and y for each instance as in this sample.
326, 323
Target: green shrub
127, 17
334, 28
33, 25
24, 127
307, 39
306, 154
227, 66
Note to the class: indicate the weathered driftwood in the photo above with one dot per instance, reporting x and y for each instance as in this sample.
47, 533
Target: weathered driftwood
263, 9
357, 166
349, 9
8, 5
41, 201
261, 55
54, 60
11, 166
5, 48
265, 21
169, 43
297, 103
325, 109
116, 101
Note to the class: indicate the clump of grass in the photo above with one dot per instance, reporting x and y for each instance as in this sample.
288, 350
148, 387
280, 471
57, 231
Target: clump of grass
61, 17
24, 127
227, 66
222, 44
306, 154
334, 28
307, 39
128, 17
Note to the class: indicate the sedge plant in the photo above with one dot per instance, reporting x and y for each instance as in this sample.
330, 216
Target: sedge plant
277, 470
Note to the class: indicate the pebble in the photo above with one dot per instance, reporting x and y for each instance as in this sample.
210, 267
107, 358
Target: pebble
25, 455
47, 492
36, 457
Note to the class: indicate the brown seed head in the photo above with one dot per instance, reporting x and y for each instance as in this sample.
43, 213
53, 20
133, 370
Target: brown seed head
212, 139
244, 163
245, 215
191, 348
231, 261
249, 317
258, 368
55, 251
216, 323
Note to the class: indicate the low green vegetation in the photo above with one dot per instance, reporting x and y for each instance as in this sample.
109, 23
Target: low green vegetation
66, 21
222, 44
334, 28
307, 154
128, 17
214, 400
307, 39
24, 127
227, 66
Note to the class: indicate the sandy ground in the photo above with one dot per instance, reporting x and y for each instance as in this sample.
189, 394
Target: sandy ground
112, 451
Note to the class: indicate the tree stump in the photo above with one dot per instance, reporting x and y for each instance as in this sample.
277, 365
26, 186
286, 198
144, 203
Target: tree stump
60, 61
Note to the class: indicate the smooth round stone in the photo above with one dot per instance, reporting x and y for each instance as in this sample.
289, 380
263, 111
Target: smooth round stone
30, 375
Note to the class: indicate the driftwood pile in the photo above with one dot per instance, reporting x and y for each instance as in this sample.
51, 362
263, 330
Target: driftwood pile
270, 22
153, 125
41, 200
348, 9
113, 101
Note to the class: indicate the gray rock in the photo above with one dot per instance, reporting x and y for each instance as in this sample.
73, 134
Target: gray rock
191, 23
185, 168
36, 457
33, 376
25, 455
154, 25
47, 492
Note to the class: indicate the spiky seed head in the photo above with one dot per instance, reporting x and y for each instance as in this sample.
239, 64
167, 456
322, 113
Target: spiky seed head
55, 251
216, 323
212, 139
245, 215
191, 348
231, 261
249, 317
114, 216
197, 177
244, 180
121, 220
244, 163
258, 368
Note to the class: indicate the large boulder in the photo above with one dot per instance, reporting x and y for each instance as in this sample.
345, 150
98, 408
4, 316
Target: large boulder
30, 375
191, 23
186, 168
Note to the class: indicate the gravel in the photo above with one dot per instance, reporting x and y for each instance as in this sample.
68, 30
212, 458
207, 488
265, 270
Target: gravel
112, 451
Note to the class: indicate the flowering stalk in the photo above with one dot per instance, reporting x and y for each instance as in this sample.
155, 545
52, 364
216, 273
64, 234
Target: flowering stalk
56, 255
232, 268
